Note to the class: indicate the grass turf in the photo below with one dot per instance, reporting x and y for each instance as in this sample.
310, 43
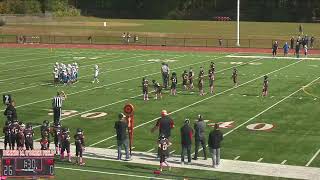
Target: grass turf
295, 137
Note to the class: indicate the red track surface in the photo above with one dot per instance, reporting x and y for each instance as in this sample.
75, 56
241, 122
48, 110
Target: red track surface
155, 48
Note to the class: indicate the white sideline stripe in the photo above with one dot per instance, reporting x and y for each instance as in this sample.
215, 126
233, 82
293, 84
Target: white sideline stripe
172, 151
236, 158
259, 160
150, 150
270, 57
283, 162
111, 146
106, 85
313, 157
270, 107
31, 75
110, 173
197, 102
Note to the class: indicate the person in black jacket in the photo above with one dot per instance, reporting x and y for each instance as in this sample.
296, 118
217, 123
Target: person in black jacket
186, 140
214, 142
199, 137
11, 112
121, 128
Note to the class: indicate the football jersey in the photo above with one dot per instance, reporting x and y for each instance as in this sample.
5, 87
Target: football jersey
163, 146
79, 139
28, 133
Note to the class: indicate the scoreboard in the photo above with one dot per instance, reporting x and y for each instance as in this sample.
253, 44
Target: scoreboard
27, 163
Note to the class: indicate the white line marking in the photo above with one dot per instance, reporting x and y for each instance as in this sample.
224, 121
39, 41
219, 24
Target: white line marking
313, 157
111, 146
110, 173
197, 102
150, 150
259, 160
283, 162
236, 158
172, 151
270, 57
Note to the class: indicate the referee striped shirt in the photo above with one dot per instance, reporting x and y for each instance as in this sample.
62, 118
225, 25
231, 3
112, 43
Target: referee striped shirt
57, 102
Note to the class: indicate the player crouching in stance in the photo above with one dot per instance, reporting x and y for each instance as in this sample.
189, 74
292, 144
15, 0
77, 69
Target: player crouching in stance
79, 142
145, 85
65, 144
265, 86
164, 151
174, 82
96, 73
234, 77
157, 89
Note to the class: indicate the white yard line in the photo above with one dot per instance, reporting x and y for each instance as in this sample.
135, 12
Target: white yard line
111, 146
259, 160
236, 158
150, 150
171, 152
313, 157
283, 162
197, 102
270, 57
110, 173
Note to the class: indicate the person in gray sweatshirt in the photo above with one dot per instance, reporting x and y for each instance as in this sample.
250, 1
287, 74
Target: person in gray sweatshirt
199, 136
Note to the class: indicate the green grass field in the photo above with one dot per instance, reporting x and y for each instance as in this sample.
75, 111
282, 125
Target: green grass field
27, 75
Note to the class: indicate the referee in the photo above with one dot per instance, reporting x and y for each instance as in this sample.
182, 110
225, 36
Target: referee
57, 105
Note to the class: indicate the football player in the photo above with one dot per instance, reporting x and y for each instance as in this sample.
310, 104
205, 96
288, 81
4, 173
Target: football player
55, 76
174, 82
145, 84
7, 135
45, 131
80, 146
44, 143
157, 89
211, 80
191, 76
234, 77
56, 133
96, 73
185, 79
265, 86
164, 151
7, 99
14, 133
28, 134
20, 137
65, 143
11, 112
212, 67
201, 81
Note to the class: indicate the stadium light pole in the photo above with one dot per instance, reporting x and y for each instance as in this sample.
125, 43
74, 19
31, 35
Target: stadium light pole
238, 23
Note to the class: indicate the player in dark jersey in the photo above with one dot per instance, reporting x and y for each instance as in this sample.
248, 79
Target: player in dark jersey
201, 81
145, 84
45, 131
56, 133
185, 79
235, 77
44, 143
174, 82
265, 86
21, 138
28, 134
191, 77
212, 67
80, 146
7, 99
65, 143
7, 135
275, 48
14, 133
211, 80
164, 151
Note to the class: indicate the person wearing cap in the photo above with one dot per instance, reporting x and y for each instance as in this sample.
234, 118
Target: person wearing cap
121, 127
199, 137
164, 124
186, 140
214, 142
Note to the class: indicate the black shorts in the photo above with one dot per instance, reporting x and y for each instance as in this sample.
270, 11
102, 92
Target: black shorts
65, 146
173, 86
210, 83
145, 91
184, 82
29, 144
79, 150
57, 141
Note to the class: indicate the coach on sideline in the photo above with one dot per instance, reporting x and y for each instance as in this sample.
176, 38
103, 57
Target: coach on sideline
57, 105
214, 142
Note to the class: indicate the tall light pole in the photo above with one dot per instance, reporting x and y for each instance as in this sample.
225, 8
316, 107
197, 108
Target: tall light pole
238, 23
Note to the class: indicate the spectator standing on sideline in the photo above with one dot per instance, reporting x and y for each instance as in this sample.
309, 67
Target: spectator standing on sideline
285, 49
312, 41
199, 136
121, 127
186, 140
300, 29
57, 106
292, 42
214, 142
275, 49
297, 51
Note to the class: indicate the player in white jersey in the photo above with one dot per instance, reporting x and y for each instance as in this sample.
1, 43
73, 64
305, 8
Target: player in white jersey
96, 73
55, 76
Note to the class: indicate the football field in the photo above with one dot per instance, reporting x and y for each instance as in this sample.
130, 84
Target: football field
282, 128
